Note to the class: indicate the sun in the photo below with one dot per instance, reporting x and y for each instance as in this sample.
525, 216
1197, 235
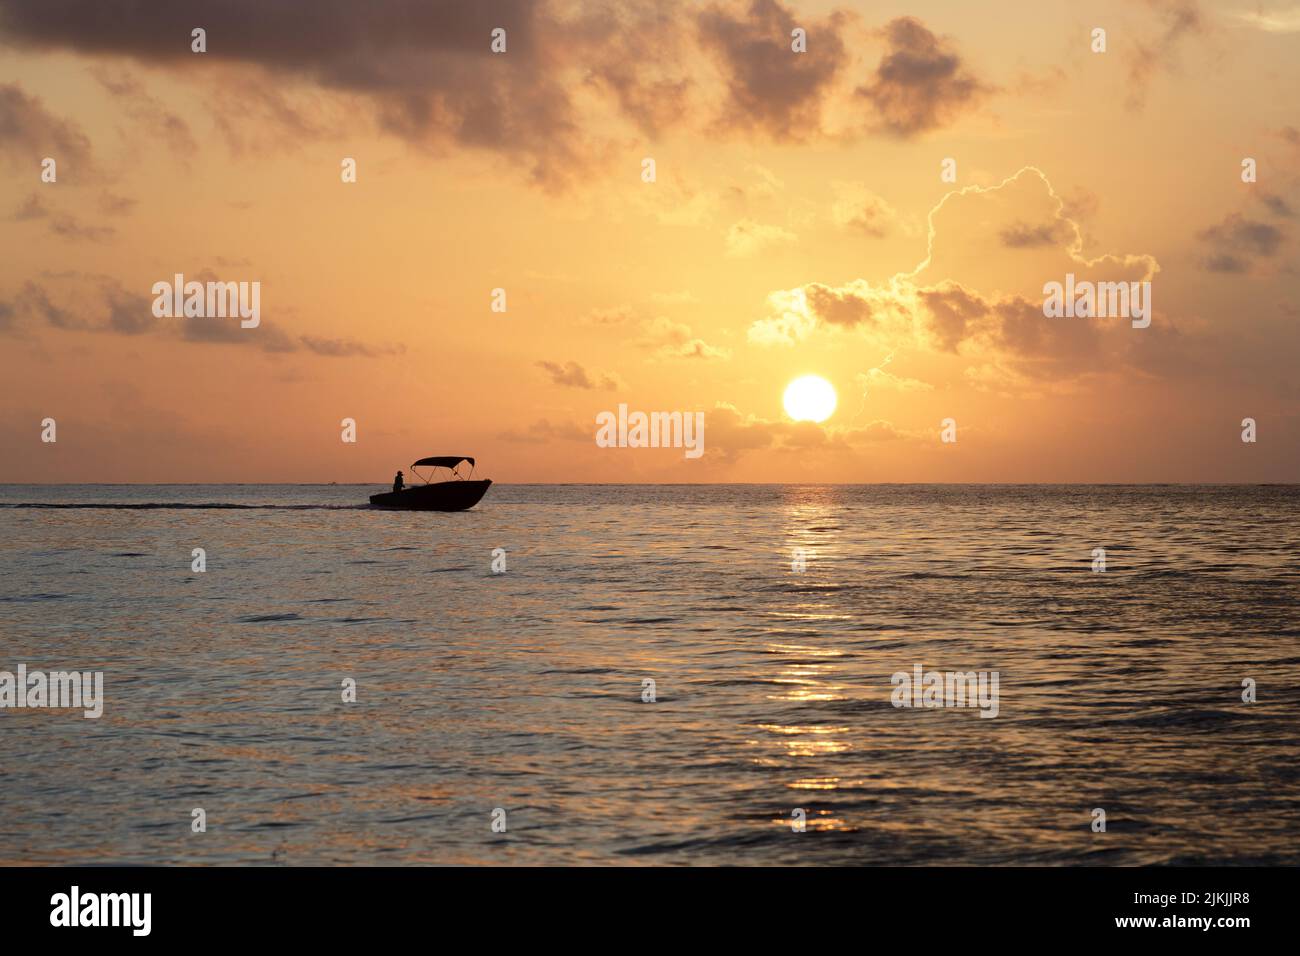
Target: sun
809, 398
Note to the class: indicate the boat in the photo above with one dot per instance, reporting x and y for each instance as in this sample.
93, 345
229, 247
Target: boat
451, 494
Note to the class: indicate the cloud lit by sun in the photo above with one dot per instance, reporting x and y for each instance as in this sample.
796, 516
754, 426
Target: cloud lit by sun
458, 244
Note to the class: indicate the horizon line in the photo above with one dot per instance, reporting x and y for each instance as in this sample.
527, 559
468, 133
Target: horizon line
666, 484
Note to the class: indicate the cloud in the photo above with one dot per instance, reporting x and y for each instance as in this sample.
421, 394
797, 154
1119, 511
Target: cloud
766, 185
732, 434
573, 375
1277, 21
544, 431
426, 69
950, 318
749, 238
129, 313
1237, 241
112, 204
875, 431
1277, 205
987, 308
791, 320
1023, 235
558, 103
921, 83
618, 315
88, 304
267, 336
860, 210
639, 56
878, 379
769, 86
61, 224
848, 306
951, 313
976, 217
676, 201
147, 111
35, 300
29, 133
101, 304
670, 340
345, 348
1179, 19
699, 349
798, 313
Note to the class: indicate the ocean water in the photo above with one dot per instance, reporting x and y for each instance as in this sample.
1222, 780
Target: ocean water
523, 690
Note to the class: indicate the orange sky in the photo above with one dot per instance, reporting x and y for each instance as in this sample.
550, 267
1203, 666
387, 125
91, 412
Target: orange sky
798, 224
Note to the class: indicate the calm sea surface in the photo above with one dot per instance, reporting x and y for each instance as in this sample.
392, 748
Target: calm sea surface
523, 690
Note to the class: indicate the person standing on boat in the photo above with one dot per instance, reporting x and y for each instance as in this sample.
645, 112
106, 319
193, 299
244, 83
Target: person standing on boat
397, 482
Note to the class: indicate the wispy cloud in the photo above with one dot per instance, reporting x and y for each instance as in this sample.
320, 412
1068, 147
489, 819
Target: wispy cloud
749, 238
572, 375
1285, 20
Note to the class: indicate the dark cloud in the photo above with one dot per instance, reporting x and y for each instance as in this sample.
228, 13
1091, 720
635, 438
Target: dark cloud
1022, 235
339, 41
573, 375
112, 204
269, 337
29, 133
69, 227
921, 83
1277, 205
837, 306
36, 301
266, 336
32, 208
62, 224
426, 64
122, 311
99, 303
343, 348
130, 314
643, 66
952, 310
423, 70
1041, 348
731, 435
1236, 242
769, 86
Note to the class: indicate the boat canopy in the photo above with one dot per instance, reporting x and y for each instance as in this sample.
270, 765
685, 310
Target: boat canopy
445, 461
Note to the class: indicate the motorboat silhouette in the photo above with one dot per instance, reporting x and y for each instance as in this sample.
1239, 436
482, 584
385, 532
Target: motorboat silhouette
451, 494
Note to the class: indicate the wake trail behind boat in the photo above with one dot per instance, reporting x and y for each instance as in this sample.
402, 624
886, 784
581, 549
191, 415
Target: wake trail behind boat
182, 506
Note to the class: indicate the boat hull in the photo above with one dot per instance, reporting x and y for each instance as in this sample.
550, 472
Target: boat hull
441, 496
